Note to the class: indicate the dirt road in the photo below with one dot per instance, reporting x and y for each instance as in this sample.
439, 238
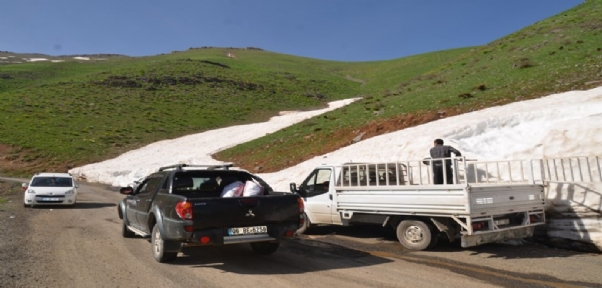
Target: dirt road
82, 247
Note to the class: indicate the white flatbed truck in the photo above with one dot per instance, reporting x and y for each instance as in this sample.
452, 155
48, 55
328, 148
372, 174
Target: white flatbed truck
489, 201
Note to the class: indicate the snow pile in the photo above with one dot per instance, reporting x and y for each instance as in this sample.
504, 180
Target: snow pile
566, 124
35, 59
81, 58
191, 149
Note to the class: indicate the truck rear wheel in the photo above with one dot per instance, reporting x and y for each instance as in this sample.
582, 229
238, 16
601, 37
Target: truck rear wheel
265, 248
415, 235
159, 252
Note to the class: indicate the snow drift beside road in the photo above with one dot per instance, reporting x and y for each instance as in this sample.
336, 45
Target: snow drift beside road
191, 149
565, 124
560, 125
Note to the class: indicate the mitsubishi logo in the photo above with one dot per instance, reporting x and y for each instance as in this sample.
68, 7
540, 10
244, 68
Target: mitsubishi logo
250, 214
50, 193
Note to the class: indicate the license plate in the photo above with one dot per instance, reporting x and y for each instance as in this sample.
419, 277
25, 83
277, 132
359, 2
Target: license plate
502, 222
247, 230
51, 199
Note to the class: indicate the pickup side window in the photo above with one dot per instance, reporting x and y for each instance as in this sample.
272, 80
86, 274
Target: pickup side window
318, 182
150, 185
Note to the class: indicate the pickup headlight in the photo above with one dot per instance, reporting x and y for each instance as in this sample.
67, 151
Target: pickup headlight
69, 192
31, 191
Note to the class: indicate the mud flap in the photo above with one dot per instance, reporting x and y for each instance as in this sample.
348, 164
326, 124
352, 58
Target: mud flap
172, 246
494, 236
445, 225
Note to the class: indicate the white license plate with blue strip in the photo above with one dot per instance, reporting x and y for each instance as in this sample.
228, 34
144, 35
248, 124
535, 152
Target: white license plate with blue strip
247, 230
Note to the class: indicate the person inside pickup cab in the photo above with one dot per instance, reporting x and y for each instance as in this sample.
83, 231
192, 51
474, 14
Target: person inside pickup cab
442, 151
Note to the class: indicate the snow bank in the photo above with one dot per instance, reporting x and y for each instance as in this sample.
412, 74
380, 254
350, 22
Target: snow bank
566, 124
191, 149
81, 58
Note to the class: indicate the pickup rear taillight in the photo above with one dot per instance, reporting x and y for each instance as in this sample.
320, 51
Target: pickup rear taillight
301, 212
301, 205
184, 210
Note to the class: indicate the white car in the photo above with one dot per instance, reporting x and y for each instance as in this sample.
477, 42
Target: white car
50, 189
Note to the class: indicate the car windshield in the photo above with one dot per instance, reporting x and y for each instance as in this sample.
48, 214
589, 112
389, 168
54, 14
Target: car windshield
52, 182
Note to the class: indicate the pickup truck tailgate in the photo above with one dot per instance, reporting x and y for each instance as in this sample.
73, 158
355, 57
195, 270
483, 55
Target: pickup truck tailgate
491, 200
244, 211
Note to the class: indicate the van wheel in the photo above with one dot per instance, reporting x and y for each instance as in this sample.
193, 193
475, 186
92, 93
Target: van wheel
265, 248
125, 231
415, 235
305, 226
158, 246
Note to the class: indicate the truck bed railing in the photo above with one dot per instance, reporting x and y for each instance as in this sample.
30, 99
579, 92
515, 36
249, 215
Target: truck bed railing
462, 171
472, 172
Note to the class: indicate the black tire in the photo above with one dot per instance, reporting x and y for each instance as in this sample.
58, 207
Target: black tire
158, 248
265, 248
305, 226
25, 205
415, 235
125, 231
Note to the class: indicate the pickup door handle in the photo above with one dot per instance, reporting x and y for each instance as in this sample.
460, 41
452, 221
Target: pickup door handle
330, 196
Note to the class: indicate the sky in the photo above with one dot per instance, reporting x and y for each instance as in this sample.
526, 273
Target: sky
559, 125
341, 30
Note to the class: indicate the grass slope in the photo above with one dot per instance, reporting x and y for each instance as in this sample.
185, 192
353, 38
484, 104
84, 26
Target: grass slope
64, 114
558, 54
58, 115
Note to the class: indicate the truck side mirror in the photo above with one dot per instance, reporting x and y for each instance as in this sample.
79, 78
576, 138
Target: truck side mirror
126, 190
24, 186
300, 191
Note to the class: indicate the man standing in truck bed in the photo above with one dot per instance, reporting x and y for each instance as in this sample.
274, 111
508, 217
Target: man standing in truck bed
443, 151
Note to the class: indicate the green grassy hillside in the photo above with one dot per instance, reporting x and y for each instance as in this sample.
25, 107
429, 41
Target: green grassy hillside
59, 115
558, 54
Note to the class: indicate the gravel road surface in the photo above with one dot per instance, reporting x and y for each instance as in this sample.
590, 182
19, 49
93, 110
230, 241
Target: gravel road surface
82, 246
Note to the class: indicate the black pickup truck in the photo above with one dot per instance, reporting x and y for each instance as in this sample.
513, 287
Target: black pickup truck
181, 206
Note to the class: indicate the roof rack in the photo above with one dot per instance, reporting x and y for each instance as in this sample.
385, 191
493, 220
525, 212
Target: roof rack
207, 167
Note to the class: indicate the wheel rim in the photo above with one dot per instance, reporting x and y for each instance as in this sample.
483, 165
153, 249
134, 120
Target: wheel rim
158, 242
413, 234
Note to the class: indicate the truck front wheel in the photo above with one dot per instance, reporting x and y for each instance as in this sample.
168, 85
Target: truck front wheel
415, 235
265, 248
158, 245
125, 231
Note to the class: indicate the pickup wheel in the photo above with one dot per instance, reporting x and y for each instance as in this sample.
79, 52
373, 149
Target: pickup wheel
265, 248
159, 248
125, 231
305, 226
415, 235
